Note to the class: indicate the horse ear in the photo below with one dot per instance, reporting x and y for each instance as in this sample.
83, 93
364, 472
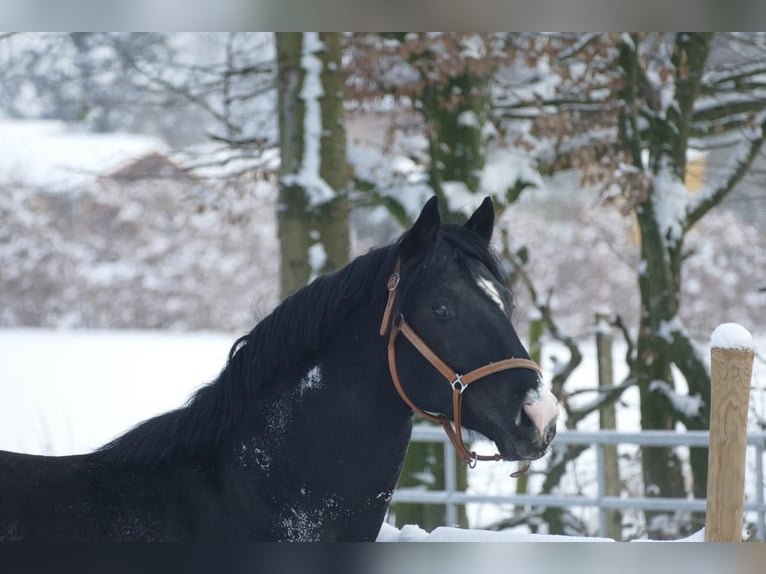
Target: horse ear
423, 231
483, 220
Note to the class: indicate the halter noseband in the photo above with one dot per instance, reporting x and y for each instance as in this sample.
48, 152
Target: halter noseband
459, 383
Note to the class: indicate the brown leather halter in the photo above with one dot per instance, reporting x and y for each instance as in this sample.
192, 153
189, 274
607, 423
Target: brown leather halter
458, 382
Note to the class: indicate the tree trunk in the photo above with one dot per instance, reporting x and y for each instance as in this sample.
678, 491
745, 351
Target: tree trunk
334, 169
659, 288
608, 421
660, 343
314, 176
454, 112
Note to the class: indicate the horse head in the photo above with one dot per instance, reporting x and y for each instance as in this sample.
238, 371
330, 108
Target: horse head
454, 353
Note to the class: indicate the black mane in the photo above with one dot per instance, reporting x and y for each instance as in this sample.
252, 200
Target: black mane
296, 329
469, 246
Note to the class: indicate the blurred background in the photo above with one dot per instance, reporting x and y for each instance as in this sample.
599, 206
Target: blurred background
172, 188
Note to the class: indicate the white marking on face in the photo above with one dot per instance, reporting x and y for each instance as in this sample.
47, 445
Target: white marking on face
489, 288
542, 408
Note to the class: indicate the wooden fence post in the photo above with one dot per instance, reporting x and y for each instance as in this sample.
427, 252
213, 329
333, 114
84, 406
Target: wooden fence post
608, 421
731, 368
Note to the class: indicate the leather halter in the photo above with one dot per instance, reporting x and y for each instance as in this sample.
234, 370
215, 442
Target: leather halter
458, 382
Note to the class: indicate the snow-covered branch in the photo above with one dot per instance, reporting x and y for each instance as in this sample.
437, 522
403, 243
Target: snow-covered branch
685, 407
689, 358
710, 108
578, 46
733, 73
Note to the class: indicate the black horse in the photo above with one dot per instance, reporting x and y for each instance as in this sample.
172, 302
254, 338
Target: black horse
302, 435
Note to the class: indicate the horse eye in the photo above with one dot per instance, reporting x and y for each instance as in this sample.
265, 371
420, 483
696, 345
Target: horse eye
440, 311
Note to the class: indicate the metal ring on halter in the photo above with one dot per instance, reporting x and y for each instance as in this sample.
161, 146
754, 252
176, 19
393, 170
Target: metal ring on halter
458, 384
473, 460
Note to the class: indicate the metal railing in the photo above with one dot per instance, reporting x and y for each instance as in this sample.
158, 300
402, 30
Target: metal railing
451, 497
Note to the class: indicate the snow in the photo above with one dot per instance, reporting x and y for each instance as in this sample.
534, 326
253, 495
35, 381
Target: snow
401, 178
666, 90
424, 477
731, 336
414, 533
397, 177
541, 84
317, 258
213, 160
473, 46
309, 177
312, 380
670, 200
468, 118
687, 405
93, 385
504, 168
460, 197
667, 328
48, 154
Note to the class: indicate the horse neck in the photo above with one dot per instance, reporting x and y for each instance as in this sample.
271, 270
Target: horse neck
266, 367
336, 406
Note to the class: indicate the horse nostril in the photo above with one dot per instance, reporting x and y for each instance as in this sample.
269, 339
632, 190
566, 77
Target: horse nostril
549, 434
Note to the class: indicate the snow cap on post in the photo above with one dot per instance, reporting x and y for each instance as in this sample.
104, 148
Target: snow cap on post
731, 336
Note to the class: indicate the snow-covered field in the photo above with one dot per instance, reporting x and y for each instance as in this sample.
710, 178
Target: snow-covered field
65, 392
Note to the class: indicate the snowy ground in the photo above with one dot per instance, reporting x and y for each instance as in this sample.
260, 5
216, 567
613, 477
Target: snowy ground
65, 392
412, 533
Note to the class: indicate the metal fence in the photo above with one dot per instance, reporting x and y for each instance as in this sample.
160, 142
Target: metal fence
452, 497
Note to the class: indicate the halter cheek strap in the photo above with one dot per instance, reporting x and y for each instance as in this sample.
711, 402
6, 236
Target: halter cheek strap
459, 383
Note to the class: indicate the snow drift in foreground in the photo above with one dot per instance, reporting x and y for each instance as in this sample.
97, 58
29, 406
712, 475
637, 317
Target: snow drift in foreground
413, 533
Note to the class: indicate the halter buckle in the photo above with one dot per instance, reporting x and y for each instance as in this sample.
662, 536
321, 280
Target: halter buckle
458, 384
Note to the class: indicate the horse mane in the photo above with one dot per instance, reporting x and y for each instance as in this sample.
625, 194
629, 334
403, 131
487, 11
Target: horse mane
296, 329
468, 248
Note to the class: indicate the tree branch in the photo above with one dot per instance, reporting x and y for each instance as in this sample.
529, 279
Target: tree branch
575, 356
630, 352
711, 111
607, 396
583, 42
742, 158
732, 74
